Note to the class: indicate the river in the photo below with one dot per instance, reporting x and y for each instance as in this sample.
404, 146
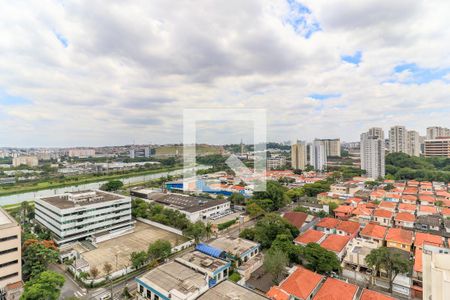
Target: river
29, 196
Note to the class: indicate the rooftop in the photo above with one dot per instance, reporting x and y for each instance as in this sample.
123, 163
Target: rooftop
373, 295
418, 261
428, 208
276, 293
81, 198
227, 290
309, 236
427, 238
334, 289
185, 203
301, 283
407, 206
382, 213
374, 231
405, 216
202, 261
6, 220
387, 205
431, 220
348, 227
328, 223
234, 246
174, 276
400, 235
296, 218
335, 242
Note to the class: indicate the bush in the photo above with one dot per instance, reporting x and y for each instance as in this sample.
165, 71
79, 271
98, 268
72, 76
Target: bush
227, 224
235, 277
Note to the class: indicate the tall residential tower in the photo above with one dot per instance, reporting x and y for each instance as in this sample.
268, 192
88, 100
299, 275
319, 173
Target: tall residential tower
372, 153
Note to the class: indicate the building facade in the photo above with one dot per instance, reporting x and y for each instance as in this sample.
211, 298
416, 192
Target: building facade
82, 215
299, 155
439, 147
436, 131
372, 153
413, 145
10, 252
397, 139
30, 161
436, 273
318, 155
332, 147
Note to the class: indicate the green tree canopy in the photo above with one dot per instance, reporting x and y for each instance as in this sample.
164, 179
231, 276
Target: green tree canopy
138, 259
320, 259
159, 249
195, 231
36, 258
112, 185
275, 263
47, 285
273, 198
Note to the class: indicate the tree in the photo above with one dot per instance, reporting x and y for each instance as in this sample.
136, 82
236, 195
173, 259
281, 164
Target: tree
389, 187
320, 259
208, 230
254, 210
270, 226
138, 259
112, 186
273, 198
284, 243
295, 194
195, 231
237, 199
47, 285
107, 268
393, 261
159, 250
36, 258
94, 273
301, 209
275, 263
331, 207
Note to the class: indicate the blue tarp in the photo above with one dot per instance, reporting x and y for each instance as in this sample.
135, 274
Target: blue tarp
211, 251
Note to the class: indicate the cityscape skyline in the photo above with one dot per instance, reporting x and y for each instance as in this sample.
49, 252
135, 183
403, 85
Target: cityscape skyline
302, 64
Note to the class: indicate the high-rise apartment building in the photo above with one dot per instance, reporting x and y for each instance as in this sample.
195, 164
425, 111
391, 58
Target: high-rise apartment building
85, 214
332, 147
438, 147
413, 143
376, 131
372, 153
30, 161
397, 139
436, 131
143, 152
299, 155
10, 252
318, 155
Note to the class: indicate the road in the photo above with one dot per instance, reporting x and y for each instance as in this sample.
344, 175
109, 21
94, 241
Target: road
70, 288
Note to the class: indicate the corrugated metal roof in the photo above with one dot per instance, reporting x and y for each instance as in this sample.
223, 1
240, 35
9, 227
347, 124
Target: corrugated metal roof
211, 251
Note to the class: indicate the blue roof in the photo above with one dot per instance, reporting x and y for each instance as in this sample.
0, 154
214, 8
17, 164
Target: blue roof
211, 251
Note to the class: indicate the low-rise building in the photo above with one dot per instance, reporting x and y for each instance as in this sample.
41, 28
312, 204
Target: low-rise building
374, 295
399, 238
10, 256
357, 250
406, 207
409, 198
421, 238
75, 216
336, 243
405, 220
310, 236
300, 284
230, 290
327, 225
336, 289
426, 210
383, 217
343, 212
172, 280
429, 223
386, 205
375, 233
348, 228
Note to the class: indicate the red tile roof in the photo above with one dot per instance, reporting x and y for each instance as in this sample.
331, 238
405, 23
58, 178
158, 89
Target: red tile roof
405, 216
407, 206
301, 283
296, 218
373, 295
276, 293
418, 260
446, 211
387, 204
400, 235
335, 242
328, 223
348, 227
310, 236
411, 191
362, 210
427, 238
409, 198
334, 289
427, 198
382, 213
345, 209
428, 208
374, 231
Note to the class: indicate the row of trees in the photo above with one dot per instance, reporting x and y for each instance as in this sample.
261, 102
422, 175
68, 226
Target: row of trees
159, 250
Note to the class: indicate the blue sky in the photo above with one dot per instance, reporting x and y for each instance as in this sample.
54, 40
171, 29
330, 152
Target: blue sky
353, 59
420, 75
7, 99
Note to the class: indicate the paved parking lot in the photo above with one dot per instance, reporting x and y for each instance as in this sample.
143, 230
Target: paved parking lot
117, 251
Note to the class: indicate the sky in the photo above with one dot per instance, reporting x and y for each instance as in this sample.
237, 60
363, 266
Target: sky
92, 73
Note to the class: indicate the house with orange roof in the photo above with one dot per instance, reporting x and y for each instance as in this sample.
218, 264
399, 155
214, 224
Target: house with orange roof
410, 191
335, 289
362, 214
296, 218
327, 225
406, 207
391, 206
425, 210
392, 197
301, 284
336, 243
445, 212
310, 236
445, 203
375, 233
442, 195
417, 275
405, 220
414, 183
399, 238
343, 212
426, 200
377, 195
410, 199
354, 201
374, 295
422, 238
383, 217
348, 228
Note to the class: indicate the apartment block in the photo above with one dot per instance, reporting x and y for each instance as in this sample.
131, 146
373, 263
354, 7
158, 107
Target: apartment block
372, 153
299, 155
318, 155
81, 153
10, 253
332, 147
30, 161
413, 145
436, 131
438, 147
83, 215
397, 139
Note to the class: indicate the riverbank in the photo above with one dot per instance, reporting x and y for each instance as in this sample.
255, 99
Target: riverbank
92, 179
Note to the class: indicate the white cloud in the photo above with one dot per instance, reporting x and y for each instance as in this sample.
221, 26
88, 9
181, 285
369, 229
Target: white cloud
129, 69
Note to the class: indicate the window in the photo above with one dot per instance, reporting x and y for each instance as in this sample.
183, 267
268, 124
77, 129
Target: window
141, 289
9, 276
149, 294
8, 238
8, 251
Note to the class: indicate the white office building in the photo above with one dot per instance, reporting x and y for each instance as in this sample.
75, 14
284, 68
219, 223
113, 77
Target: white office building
83, 215
318, 155
372, 154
